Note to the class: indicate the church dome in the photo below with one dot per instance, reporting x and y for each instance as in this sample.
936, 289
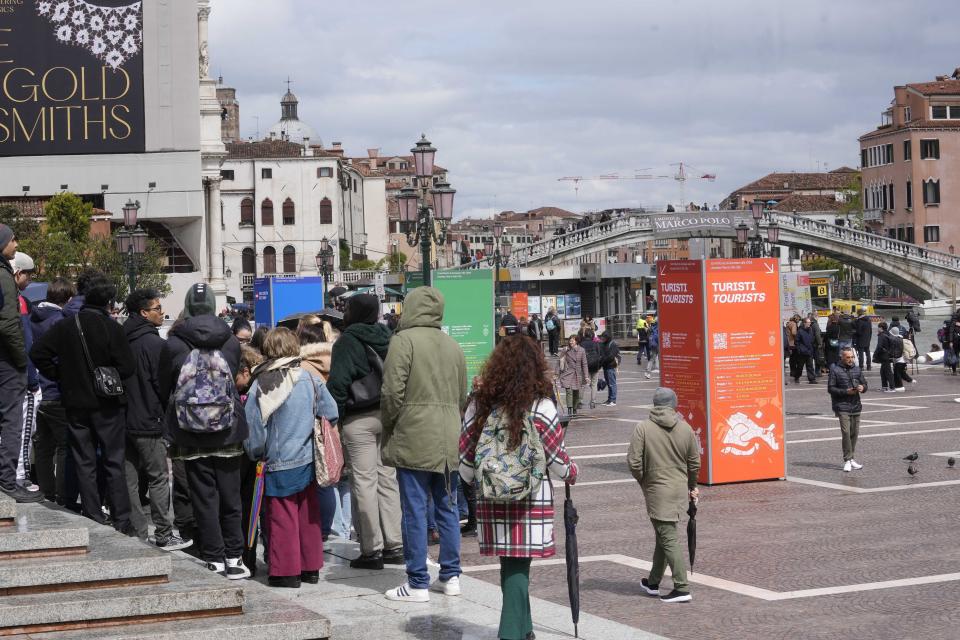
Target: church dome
290, 127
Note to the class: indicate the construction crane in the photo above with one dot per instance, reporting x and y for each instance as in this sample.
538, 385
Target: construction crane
680, 176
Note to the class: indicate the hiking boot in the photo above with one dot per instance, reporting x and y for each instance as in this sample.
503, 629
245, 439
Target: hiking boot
372, 561
236, 569
286, 582
651, 589
394, 556
406, 593
677, 596
172, 542
22, 494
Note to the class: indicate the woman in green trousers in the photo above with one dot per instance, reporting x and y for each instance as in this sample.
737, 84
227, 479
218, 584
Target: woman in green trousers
515, 390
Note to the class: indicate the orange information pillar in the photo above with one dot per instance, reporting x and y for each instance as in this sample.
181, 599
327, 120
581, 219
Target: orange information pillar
721, 351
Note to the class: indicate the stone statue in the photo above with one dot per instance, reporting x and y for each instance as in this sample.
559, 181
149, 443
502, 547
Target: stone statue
204, 60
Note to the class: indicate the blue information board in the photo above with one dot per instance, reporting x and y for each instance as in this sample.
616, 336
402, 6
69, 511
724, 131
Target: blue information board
276, 298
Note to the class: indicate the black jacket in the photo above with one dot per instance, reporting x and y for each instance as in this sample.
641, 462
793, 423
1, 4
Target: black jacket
200, 332
840, 380
864, 333
349, 361
805, 341
594, 355
610, 354
887, 348
44, 317
59, 356
848, 327
144, 409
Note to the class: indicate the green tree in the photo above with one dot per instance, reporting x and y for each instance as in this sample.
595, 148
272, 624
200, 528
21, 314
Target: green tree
66, 213
25, 227
393, 262
822, 263
852, 206
102, 255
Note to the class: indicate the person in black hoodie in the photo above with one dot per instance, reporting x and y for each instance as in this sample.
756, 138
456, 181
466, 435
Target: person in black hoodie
211, 460
375, 491
59, 355
50, 449
863, 338
146, 452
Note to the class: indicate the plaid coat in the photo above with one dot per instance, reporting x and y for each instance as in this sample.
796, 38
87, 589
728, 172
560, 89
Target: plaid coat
522, 529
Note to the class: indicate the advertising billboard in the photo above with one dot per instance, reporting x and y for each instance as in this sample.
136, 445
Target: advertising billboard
71, 77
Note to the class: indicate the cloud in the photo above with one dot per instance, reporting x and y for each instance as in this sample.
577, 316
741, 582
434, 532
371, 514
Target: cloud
518, 94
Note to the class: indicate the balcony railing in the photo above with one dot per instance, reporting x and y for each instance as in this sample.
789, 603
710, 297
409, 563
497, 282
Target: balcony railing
872, 215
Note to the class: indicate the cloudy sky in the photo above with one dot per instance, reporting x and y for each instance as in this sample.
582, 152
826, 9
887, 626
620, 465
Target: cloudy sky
517, 94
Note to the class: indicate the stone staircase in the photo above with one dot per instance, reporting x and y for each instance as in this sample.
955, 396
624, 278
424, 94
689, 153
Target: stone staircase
66, 577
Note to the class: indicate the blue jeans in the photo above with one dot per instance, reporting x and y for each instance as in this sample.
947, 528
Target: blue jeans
342, 518
415, 486
610, 375
328, 499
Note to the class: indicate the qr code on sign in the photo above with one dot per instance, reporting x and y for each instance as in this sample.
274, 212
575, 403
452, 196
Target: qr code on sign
719, 341
666, 340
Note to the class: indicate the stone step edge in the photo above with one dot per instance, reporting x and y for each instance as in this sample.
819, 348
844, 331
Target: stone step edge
113, 583
94, 569
43, 553
120, 621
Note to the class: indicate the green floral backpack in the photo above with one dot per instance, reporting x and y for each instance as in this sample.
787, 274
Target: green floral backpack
504, 474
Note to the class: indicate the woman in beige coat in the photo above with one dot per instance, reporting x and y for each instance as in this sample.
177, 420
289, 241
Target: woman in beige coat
574, 374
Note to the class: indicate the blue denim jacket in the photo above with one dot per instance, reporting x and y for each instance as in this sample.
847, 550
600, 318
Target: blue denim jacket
286, 440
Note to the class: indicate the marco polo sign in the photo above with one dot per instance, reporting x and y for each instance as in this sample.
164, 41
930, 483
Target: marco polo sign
71, 77
708, 223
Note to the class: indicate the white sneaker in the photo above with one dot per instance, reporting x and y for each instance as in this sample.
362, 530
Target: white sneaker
900, 389
236, 570
856, 466
847, 466
405, 593
646, 375
449, 588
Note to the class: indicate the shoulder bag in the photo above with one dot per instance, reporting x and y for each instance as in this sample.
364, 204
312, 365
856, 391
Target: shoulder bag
327, 450
106, 380
364, 393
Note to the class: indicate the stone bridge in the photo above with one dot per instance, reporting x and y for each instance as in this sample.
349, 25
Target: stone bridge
919, 272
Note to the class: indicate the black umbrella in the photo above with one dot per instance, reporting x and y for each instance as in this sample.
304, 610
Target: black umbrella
570, 519
333, 316
337, 291
692, 532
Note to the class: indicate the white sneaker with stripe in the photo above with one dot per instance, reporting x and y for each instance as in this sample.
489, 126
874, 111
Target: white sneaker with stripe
406, 593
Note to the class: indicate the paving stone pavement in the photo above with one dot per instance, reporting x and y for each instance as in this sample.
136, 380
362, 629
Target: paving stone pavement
779, 537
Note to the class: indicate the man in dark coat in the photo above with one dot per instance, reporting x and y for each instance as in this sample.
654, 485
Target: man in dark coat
848, 329
864, 336
806, 352
146, 453
93, 420
211, 461
13, 373
845, 384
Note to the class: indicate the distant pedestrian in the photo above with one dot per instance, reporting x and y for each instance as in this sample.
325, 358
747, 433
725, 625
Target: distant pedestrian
552, 326
653, 348
845, 384
610, 362
424, 392
664, 457
848, 329
573, 373
889, 349
863, 337
515, 396
23, 269
643, 339
804, 355
907, 353
591, 346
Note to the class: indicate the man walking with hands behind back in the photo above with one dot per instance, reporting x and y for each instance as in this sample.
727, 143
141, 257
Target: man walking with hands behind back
664, 457
846, 383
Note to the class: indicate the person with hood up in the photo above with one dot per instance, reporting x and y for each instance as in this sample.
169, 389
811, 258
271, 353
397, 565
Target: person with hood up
50, 449
146, 452
375, 496
13, 373
211, 460
424, 392
96, 421
664, 457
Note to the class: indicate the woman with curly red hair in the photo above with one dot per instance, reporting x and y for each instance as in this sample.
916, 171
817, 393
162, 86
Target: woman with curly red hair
516, 389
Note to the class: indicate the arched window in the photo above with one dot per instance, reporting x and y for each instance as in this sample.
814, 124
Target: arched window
246, 211
269, 260
249, 260
326, 211
266, 213
289, 212
289, 259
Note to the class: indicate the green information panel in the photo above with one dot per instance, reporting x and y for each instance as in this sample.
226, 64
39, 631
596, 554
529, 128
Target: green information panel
468, 313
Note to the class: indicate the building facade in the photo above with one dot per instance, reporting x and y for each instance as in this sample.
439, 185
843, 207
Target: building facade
910, 163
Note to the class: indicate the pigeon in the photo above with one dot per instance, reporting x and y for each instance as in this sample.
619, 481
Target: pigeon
913, 469
912, 457
951, 462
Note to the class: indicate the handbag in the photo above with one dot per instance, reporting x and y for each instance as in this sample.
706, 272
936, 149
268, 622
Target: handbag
106, 380
327, 450
364, 393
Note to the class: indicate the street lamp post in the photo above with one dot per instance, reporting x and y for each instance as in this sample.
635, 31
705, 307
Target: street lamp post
744, 235
419, 219
500, 250
131, 241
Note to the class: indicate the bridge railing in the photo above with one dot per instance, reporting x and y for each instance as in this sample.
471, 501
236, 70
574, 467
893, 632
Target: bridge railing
581, 237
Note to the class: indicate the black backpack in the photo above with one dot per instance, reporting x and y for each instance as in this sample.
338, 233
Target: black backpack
593, 355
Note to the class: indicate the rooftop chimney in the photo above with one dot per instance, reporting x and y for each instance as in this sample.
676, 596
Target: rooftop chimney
373, 153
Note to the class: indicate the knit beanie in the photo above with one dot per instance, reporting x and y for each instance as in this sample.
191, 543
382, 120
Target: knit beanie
895, 331
664, 397
200, 301
362, 309
6, 235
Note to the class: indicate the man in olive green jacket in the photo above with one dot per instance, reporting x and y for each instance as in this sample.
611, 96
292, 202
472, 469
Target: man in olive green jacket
664, 457
424, 390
